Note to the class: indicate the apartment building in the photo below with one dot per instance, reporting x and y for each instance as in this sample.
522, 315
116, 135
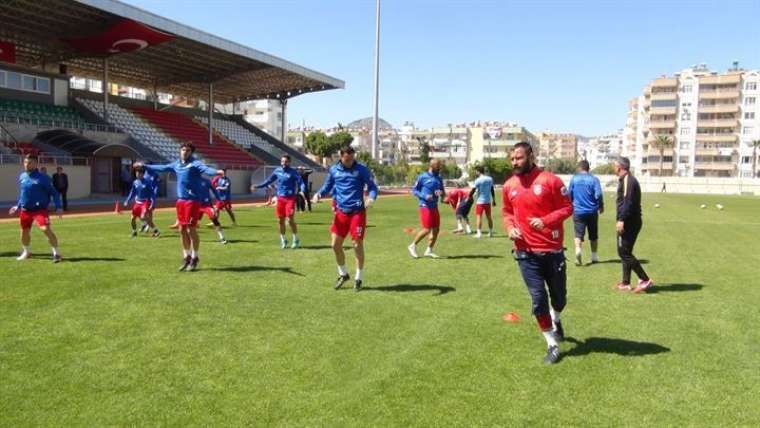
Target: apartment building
557, 146
496, 139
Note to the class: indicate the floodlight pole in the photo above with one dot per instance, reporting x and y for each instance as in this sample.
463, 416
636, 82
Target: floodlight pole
283, 131
105, 89
210, 113
377, 83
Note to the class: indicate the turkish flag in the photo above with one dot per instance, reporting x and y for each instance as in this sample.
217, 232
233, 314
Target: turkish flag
124, 36
7, 52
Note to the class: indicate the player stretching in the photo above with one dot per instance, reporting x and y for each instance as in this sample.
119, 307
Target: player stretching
535, 205
486, 196
154, 181
189, 172
460, 200
347, 180
208, 208
145, 199
289, 185
35, 191
428, 188
223, 186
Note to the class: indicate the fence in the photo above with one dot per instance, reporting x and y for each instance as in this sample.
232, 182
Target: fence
690, 185
45, 159
43, 124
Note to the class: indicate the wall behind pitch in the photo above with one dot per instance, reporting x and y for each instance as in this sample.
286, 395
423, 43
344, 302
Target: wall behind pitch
79, 180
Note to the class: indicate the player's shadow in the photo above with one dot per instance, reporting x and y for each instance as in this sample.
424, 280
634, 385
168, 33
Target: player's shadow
65, 259
607, 345
616, 261
316, 247
239, 241
474, 256
255, 268
668, 288
405, 288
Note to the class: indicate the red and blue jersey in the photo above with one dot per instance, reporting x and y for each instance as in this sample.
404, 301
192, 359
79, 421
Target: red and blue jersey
347, 186
35, 191
288, 180
223, 185
189, 177
207, 190
142, 190
427, 185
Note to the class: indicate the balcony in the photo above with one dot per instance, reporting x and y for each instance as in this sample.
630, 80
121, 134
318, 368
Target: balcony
665, 82
717, 138
725, 79
717, 123
662, 124
727, 94
661, 96
720, 166
662, 110
708, 152
720, 108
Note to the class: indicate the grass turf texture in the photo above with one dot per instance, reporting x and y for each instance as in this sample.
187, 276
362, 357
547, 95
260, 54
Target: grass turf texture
115, 336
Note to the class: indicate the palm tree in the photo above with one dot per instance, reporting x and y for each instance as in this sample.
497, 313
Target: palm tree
662, 142
755, 146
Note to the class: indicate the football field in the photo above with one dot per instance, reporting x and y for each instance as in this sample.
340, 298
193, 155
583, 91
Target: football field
113, 335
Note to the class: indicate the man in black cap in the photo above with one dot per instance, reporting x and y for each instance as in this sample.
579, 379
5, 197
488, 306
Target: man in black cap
628, 226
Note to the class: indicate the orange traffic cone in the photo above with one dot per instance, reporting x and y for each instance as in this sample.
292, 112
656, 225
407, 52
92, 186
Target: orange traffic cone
117, 208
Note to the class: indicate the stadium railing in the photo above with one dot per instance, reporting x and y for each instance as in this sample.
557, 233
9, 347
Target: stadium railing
51, 123
45, 158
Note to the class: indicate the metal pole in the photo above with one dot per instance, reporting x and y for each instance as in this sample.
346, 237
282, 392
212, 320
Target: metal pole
105, 89
155, 96
283, 131
377, 77
210, 113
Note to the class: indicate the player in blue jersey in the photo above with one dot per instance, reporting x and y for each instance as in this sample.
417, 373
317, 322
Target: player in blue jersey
35, 192
588, 202
289, 186
346, 180
483, 186
155, 182
428, 189
145, 200
223, 186
208, 207
189, 172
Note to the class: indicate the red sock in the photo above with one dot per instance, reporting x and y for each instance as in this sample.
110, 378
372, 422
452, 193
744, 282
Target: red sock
544, 322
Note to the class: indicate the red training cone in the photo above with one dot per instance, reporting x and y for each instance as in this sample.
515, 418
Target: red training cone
117, 208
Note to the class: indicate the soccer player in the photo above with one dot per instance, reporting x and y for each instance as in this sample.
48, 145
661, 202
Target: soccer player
289, 184
628, 226
305, 201
486, 196
35, 191
428, 189
154, 181
535, 205
145, 200
189, 172
588, 202
223, 186
460, 201
347, 179
208, 208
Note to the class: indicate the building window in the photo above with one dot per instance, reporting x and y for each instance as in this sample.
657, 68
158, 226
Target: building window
749, 115
14, 81
750, 86
749, 101
686, 89
685, 131
686, 115
746, 159
747, 130
24, 82
2, 79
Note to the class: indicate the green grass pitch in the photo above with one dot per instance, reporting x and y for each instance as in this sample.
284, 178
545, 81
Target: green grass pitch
115, 336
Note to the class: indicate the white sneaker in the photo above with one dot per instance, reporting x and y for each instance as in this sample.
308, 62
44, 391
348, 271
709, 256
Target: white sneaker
490, 234
413, 251
23, 256
431, 254
477, 235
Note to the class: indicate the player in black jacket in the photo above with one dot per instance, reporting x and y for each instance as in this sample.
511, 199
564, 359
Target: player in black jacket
628, 226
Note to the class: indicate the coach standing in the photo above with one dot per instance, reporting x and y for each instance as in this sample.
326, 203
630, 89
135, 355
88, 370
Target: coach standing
628, 226
588, 202
61, 184
535, 205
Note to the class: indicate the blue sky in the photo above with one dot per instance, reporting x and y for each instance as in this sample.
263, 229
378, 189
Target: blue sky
567, 66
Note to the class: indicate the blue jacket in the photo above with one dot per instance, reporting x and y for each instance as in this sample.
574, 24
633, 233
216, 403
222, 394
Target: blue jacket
427, 184
207, 190
224, 187
142, 190
586, 193
35, 191
153, 180
288, 179
347, 186
189, 176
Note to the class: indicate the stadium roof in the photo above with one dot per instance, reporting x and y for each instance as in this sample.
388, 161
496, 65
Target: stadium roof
184, 62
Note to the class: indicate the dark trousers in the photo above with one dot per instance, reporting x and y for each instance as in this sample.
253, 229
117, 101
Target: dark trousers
302, 203
64, 199
626, 241
542, 272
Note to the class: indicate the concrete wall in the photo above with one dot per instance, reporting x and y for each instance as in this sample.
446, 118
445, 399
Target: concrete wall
697, 185
79, 180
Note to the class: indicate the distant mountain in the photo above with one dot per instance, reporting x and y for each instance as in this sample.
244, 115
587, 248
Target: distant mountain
366, 123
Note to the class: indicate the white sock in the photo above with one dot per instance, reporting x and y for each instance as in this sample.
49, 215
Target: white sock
467, 228
295, 238
554, 314
282, 238
26, 248
342, 270
221, 234
550, 339
459, 224
193, 254
185, 253
358, 274
428, 250
594, 256
55, 251
578, 251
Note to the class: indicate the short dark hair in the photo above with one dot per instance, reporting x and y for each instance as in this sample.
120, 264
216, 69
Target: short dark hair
347, 149
31, 156
583, 165
285, 157
480, 169
139, 168
525, 146
189, 145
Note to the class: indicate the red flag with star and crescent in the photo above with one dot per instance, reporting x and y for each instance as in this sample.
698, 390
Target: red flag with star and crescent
124, 36
7, 52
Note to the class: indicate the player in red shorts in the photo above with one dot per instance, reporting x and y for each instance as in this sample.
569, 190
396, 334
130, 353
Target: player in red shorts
483, 185
460, 201
35, 191
223, 187
208, 208
428, 189
289, 185
346, 180
145, 200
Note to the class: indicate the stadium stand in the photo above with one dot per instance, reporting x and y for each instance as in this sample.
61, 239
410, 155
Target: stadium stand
44, 114
299, 159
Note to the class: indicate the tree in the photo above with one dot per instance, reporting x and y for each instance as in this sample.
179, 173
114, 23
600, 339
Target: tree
755, 146
605, 169
498, 169
424, 150
560, 166
318, 144
661, 143
341, 139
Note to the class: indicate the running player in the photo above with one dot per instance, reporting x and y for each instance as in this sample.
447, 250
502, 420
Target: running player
347, 179
189, 172
223, 186
486, 196
460, 201
208, 208
35, 191
535, 205
145, 200
428, 189
289, 185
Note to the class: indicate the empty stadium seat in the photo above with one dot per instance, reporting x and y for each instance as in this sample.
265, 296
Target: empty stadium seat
44, 114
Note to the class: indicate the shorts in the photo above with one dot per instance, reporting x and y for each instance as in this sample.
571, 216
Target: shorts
188, 212
463, 210
27, 218
430, 218
483, 208
586, 221
286, 206
139, 209
223, 204
354, 223
208, 210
